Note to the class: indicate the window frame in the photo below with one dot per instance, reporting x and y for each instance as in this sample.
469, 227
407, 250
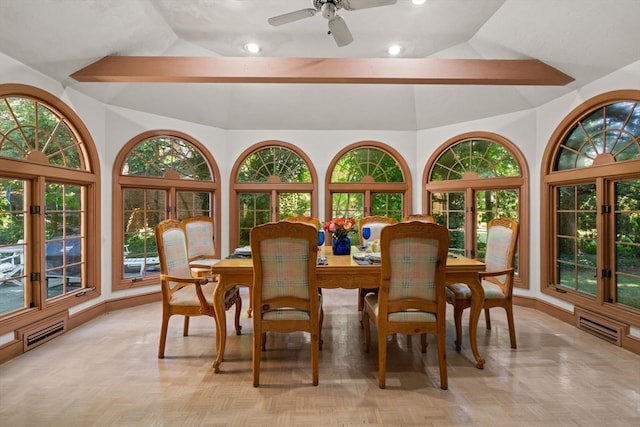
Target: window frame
271, 187
472, 185
368, 187
37, 173
171, 183
603, 175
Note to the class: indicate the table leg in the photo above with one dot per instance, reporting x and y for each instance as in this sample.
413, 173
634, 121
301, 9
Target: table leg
221, 321
477, 300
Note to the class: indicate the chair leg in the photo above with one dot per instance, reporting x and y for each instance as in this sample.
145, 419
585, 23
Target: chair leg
442, 360
258, 339
163, 335
361, 305
361, 295
367, 330
320, 328
423, 342
457, 317
512, 326
382, 358
237, 318
263, 339
315, 349
185, 327
487, 318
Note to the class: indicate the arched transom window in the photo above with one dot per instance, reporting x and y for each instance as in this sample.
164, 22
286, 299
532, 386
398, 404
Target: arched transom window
31, 130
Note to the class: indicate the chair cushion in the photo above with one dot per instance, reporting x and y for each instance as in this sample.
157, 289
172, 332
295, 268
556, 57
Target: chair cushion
290, 314
371, 300
286, 315
458, 291
492, 291
498, 244
284, 268
208, 262
187, 295
175, 248
462, 291
200, 237
413, 265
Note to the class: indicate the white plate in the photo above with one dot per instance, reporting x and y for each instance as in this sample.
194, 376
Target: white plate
245, 250
360, 256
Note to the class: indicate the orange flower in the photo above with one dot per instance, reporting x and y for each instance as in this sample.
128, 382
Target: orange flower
340, 226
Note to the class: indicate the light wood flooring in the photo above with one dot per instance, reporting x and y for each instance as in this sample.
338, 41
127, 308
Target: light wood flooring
106, 373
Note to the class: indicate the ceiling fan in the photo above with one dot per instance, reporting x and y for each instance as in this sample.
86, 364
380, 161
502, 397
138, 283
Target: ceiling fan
337, 27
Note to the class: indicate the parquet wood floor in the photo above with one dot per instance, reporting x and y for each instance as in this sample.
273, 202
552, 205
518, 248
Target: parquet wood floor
106, 373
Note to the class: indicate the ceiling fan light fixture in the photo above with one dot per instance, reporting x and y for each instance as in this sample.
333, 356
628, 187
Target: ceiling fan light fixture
394, 50
252, 48
328, 10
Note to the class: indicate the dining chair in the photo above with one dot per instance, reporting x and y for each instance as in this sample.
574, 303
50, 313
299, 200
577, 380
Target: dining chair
285, 292
412, 296
200, 241
304, 219
418, 217
496, 280
182, 293
375, 223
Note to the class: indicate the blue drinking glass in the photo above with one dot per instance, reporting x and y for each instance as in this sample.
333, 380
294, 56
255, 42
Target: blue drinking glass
366, 232
320, 238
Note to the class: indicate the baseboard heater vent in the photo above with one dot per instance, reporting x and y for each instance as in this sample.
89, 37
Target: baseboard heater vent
600, 326
43, 331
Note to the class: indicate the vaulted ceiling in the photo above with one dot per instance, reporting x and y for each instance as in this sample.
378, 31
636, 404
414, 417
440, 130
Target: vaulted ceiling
585, 39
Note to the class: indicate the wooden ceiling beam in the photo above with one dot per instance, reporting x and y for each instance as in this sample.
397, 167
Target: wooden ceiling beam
167, 69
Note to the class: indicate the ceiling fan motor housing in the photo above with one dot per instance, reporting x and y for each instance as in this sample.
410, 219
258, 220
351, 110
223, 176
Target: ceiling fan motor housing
318, 4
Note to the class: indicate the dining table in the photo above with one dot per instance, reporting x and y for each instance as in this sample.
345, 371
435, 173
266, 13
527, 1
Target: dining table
346, 272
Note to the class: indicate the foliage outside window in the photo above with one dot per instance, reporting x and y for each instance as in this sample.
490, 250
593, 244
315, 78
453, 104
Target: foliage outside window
162, 175
272, 181
470, 181
368, 180
64, 238
594, 180
47, 203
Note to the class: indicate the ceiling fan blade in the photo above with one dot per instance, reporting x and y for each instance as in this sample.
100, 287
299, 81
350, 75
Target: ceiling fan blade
365, 4
340, 31
291, 16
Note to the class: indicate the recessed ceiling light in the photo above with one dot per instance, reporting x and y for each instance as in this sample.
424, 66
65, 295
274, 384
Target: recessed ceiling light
394, 50
252, 48
418, 1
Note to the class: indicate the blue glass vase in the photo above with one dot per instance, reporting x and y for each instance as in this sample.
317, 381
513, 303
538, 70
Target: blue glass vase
341, 245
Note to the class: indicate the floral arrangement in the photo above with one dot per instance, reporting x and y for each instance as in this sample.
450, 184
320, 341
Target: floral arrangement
340, 227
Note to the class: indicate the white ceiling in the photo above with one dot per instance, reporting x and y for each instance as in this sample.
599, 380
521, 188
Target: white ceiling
586, 39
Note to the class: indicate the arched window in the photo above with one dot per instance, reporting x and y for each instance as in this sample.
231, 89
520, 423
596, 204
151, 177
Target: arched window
591, 193
271, 181
49, 207
368, 178
159, 175
471, 179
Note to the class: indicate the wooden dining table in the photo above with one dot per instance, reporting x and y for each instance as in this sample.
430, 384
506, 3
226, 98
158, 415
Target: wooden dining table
344, 272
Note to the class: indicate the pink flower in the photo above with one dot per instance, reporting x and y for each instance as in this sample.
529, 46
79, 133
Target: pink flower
340, 226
